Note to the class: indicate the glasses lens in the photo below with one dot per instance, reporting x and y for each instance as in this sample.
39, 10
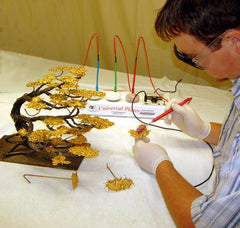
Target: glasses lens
187, 59
202, 60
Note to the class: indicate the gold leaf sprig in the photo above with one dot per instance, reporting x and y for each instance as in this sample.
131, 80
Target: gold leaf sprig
85, 151
36, 103
60, 159
139, 135
98, 122
118, 184
78, 71
74, 178
61, 68
53, 121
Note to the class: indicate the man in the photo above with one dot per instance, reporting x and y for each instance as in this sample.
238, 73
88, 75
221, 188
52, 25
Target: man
206, 35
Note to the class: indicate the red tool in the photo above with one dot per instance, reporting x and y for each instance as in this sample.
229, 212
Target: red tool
186, 101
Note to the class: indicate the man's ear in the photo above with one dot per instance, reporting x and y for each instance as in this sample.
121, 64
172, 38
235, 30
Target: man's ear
234, 36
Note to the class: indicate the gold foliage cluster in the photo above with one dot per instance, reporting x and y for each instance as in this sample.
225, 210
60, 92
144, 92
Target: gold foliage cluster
60, 159
85, 151
118, 184
98, 122
47, 79
139, 135
74, 180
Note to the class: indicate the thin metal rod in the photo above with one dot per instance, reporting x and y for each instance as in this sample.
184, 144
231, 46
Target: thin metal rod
111, 171
33, 175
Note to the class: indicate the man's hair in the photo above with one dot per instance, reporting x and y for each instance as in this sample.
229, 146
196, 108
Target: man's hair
203, 19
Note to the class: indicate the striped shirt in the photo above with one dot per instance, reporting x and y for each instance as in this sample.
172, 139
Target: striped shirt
222, 207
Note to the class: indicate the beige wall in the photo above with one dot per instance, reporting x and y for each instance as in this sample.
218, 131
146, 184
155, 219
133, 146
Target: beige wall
61, 30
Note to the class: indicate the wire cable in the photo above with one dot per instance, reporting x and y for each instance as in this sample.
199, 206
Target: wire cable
148, 67
209, 176
126, 62
86, 57
170, 91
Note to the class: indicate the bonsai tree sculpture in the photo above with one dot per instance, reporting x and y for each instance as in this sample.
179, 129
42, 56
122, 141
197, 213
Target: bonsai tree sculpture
56, 129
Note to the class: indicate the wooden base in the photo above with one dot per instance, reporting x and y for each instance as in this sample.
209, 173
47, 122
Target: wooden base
27, 156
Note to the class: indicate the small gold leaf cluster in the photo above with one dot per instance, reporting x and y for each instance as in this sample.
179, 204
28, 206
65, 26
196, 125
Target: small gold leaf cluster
60, 159
53, 120
23, 132
78, 71
61, 68
75, 103
98, 122
139, 135
119, 184
78, 140
36, 103
40, 135
74, 180
47, 79
68, 79
76, 131
85, 151
86, 93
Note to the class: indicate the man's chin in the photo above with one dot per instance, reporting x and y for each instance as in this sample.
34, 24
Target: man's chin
222, 79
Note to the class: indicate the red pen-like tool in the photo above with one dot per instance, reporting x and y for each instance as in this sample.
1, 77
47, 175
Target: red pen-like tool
186, 101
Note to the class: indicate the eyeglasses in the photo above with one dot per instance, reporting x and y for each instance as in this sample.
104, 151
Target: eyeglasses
201, 61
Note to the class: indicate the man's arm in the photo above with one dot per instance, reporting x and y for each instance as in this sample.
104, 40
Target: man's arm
177, 192
214, 134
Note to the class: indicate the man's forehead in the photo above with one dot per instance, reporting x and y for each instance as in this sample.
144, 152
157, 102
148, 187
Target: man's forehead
188, 44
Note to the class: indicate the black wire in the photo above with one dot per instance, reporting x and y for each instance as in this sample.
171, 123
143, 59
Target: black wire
209, 176
169, 91
172, 129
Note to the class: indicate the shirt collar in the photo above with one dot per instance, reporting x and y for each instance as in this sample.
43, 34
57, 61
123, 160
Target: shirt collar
236, 91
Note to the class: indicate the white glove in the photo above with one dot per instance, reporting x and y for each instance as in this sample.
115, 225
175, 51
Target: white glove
186, 119
149, 155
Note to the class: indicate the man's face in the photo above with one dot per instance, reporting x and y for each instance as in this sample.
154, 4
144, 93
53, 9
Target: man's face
222, 64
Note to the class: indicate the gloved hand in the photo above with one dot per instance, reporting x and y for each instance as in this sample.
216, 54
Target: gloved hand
149, 155
186, 119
